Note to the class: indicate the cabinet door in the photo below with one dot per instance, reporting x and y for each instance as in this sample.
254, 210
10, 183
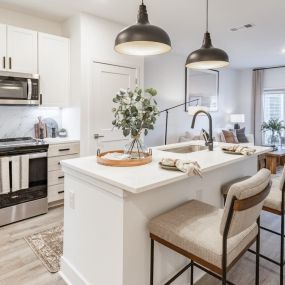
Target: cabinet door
54, 70
22, 50
3, 46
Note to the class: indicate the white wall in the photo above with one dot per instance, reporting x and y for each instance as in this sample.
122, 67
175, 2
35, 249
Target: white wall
29, 22
245, 98
166, 74
71, 115
95, 36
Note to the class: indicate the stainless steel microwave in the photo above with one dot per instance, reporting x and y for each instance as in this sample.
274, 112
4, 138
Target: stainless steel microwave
19, 89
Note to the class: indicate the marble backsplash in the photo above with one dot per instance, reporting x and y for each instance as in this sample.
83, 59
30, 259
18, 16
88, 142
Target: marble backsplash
18, 121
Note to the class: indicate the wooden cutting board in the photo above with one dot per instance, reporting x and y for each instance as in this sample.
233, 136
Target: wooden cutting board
38, 128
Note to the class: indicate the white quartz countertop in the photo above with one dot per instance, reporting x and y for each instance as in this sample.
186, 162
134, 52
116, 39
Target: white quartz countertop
61, 140
142, 178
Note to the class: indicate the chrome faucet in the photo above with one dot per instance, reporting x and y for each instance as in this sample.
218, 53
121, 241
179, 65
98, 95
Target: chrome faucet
209, 142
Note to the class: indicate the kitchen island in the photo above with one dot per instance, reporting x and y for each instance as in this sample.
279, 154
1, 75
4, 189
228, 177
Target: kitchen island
107, 210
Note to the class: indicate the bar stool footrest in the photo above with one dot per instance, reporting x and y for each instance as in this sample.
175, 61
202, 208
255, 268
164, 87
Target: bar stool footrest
267, 258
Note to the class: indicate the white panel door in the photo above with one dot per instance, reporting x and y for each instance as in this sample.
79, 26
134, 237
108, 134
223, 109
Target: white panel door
54, 70
107, 80
22, 48
3, 46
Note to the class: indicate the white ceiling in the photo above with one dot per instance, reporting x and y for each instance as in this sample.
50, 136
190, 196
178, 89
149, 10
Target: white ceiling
184, 20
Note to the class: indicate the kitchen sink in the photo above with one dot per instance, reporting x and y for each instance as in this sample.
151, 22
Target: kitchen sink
186, 149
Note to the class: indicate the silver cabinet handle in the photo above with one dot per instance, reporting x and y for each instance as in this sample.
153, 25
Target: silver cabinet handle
10, 62
4, 62
97, 136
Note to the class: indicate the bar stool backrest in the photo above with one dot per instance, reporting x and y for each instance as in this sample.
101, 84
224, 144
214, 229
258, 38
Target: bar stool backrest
282, 180
244, 203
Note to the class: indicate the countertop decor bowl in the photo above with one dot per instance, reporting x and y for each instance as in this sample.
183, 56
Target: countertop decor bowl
124, 162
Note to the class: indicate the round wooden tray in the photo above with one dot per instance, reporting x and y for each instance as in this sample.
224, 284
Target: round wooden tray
123, 163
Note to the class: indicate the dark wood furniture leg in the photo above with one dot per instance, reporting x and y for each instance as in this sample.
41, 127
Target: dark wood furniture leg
271, 163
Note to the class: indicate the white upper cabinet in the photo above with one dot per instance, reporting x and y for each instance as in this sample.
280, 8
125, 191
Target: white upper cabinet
54, 65
21, 50
3, 46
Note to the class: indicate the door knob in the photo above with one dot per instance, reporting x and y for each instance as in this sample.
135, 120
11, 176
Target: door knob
97, 136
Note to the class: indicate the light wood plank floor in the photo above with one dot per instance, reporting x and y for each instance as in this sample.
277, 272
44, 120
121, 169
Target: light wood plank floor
18, 263
20, 266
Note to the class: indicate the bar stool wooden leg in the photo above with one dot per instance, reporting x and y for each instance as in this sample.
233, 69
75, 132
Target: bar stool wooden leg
257, 254
151, 260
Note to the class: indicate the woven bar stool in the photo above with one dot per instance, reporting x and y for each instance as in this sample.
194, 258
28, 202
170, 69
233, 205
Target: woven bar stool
214, 239
274, 204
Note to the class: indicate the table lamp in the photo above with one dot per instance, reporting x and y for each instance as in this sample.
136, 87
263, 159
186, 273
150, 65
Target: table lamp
236, 119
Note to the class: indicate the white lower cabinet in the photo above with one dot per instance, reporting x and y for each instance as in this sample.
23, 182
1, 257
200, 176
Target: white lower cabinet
57, 153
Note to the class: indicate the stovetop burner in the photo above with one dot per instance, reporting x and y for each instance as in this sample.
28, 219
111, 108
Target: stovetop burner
11, 146
17, 141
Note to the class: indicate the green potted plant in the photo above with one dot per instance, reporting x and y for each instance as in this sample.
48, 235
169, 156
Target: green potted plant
135, 114
275, 126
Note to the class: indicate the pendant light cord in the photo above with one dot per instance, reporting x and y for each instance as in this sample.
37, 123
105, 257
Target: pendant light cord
207, 13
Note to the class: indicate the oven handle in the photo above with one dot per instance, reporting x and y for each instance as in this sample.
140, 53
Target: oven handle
38, 155
29, 89
34, 155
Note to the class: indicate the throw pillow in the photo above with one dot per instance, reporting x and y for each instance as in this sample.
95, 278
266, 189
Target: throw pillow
240, 134
229, 137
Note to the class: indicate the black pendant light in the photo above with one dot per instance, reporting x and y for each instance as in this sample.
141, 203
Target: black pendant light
142, 38
207, 57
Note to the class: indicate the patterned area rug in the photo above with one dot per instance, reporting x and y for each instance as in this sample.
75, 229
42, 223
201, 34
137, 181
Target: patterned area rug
48, 246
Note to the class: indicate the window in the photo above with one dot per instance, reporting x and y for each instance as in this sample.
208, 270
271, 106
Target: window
273, 106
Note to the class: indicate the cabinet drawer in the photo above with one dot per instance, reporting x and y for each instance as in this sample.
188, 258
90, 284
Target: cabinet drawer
55, 193
54, 162
63, 149
55, 177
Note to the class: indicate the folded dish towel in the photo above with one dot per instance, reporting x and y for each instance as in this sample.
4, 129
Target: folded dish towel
4, 175
188, 166
25, 171
16, 185
239, 149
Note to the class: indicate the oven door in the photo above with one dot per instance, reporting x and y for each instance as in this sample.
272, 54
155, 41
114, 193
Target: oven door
37, 184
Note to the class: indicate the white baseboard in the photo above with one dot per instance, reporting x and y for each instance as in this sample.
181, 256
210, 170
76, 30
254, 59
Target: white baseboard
71, 275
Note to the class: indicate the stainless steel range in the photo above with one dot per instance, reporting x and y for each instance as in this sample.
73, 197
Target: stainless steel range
23, 179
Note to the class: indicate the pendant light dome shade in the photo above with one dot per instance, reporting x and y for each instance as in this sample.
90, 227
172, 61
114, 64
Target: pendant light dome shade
207, 56
142, 38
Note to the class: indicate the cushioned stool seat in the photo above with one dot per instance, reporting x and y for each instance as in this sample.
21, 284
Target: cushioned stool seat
273, 204
195, 227
213, 239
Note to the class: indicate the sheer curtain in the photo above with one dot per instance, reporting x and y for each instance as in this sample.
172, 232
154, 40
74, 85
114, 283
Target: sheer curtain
257, 93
